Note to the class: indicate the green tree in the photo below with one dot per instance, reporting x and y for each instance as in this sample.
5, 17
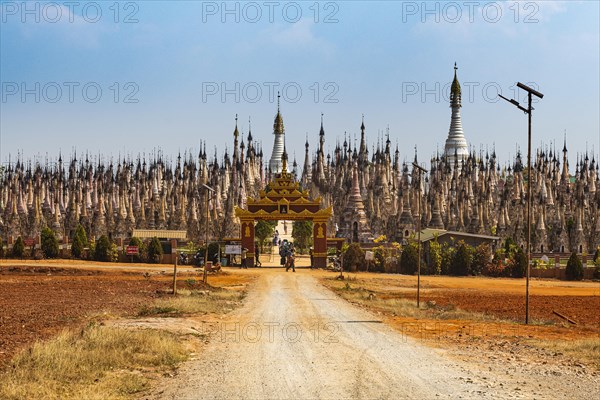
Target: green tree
49, 243
302, 232
213, 251
574, 271
18, 249
462, 260
354, 257
448, 252
597, 263
155, 250
409, 259
518, 263
435, 257
141, 255
509, 247
481, 258
79, 242
263, 230
103, 249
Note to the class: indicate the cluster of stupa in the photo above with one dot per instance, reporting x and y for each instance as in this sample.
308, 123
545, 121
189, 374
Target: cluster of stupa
371, 193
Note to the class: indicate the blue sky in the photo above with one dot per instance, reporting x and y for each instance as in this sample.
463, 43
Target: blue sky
387, 60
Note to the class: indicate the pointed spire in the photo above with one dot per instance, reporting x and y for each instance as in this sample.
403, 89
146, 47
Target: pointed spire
278, 128
322, 131
249, 130
284, 159
455, 93
236, 133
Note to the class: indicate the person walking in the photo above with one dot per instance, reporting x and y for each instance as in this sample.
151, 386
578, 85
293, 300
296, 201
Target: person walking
244, 258
257, 256
290, 259
283, 252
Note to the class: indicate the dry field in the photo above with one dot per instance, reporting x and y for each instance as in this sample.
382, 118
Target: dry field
472, 323
498, 297
39, 299
484, 315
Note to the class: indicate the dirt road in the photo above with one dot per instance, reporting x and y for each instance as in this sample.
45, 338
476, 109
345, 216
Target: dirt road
294, 339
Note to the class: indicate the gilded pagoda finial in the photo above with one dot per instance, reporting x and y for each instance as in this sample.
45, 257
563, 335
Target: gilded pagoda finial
278, 125
455, 89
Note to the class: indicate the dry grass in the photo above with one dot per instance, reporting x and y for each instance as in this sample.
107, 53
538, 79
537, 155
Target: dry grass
188, 302
97, 362
585, 350
401, 307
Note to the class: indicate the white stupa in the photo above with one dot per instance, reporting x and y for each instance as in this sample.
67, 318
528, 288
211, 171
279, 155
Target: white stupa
456, 148
275, 163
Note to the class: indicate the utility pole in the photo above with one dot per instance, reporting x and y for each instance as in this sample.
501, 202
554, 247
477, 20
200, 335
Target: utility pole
527, 111
209, 191
420, 169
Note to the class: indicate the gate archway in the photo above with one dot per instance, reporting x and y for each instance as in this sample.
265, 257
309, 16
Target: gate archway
283, 199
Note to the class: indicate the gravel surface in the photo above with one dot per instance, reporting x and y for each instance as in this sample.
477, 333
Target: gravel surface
294, 339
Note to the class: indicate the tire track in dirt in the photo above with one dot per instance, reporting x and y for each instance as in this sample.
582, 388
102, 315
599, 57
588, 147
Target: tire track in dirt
299, 358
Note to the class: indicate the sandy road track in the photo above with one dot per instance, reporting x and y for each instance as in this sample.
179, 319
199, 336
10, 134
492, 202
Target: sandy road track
295, 339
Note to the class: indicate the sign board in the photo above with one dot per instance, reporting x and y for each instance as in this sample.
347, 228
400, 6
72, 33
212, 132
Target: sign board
369, 256
29, 241
132, 250
233, 249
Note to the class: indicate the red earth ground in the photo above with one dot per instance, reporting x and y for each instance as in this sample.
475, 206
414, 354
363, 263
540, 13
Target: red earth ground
37, 301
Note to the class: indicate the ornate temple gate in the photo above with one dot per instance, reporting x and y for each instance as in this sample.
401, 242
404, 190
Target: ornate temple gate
283, 199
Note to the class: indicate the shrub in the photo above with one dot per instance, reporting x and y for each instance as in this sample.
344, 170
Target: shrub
79, 242
597, 257
141, 256
103, 249
213, 252
354, 257
447, 257
49, 243
409, 259
379, 253
435, 257
518, 264
496, 268
574, 271
481, 258
155, 250
462, 260
91, 255
509, 246
18, 249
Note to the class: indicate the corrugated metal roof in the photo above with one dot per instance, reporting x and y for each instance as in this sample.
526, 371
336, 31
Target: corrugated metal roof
429, 234
159, 233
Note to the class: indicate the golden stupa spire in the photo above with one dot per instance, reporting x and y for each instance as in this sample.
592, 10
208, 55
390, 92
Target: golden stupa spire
278, 125
455, 89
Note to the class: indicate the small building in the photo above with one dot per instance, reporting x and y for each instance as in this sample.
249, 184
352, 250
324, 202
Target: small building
453, 237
